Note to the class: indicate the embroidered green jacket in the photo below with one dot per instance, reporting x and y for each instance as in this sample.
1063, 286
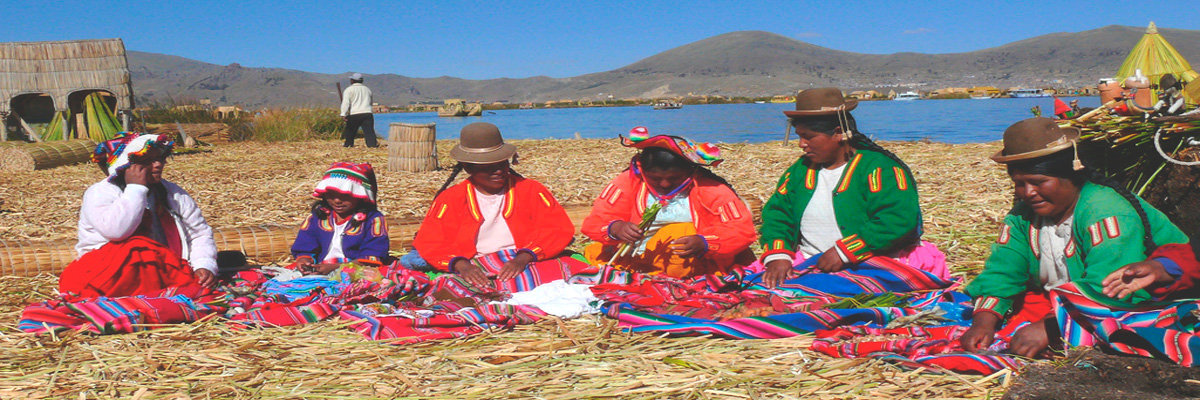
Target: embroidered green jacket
1106, 235
875, 202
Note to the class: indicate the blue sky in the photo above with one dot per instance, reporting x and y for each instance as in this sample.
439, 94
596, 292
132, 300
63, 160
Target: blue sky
516, 39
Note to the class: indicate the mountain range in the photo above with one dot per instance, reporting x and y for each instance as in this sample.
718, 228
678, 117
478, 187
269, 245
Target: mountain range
745, 63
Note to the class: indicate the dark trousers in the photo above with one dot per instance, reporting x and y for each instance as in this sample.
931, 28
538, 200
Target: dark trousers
367, 122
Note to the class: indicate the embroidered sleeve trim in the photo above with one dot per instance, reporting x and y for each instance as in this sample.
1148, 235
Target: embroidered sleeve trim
901, 180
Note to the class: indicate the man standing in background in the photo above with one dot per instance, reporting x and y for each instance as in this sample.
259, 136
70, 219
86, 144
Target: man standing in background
356, 111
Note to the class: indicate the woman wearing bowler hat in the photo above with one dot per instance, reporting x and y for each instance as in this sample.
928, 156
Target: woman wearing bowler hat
1084, 239
846, 200
497, 229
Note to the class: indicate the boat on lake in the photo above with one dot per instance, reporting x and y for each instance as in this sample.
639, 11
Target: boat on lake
980, 97
1023, 93
460, 108
668, 105
908, 96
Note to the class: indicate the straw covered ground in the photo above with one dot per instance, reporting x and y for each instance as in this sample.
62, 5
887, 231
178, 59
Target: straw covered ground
964, 196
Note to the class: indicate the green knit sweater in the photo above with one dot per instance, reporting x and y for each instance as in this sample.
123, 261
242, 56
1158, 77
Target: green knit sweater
875, 202
1106, 235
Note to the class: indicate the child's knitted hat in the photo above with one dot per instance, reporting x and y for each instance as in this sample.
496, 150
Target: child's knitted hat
357, 180
113, 155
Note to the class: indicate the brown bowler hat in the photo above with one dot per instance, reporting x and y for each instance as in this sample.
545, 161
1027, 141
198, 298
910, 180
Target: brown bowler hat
1034, 137
480, 143
820, 101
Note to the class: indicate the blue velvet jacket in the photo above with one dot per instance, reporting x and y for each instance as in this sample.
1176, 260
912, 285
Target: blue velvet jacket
365, 240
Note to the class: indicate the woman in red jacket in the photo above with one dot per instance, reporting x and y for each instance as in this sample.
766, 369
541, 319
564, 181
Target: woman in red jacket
496, 229
696, 224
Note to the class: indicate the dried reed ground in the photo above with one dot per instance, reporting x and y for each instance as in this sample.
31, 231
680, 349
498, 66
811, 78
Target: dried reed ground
964, 196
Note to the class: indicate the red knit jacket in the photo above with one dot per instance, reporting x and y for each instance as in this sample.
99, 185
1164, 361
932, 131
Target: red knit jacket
539, 224
719, 215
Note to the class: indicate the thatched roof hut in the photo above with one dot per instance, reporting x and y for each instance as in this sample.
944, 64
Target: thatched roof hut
38, 79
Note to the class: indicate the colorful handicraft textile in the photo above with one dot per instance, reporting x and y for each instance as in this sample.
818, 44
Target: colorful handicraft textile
398, 305
1162, 331
732, 308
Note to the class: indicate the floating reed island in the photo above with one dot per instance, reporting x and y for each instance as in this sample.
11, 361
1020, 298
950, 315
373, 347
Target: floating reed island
238, 185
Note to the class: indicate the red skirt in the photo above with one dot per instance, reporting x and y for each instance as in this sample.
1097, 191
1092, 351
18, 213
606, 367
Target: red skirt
135, 266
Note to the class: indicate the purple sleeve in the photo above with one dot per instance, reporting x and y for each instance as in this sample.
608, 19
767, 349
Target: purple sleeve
376, 245
307, 243
1170, 266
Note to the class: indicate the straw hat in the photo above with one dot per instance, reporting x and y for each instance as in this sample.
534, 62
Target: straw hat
481, 143
821, 101
1035, 137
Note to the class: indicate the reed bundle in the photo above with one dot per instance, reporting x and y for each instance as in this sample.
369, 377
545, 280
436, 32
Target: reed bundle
1124, 148
36, 156
412, 147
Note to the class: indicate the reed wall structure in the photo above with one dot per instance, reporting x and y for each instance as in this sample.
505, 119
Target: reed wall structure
63, 71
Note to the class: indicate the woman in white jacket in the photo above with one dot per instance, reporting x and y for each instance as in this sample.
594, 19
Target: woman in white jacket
138, 234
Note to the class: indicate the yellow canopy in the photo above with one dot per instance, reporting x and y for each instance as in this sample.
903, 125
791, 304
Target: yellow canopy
1155, 57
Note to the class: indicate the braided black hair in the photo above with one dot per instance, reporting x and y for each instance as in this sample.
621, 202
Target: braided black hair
458, 168
828, 124
663, 159
1061, 165
453, 174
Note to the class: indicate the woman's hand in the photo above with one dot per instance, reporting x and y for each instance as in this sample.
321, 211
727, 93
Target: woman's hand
689, 246
1133, 277
625, 231
514, 267
830, 261
205, 278
1031, 340
776, 272
138, 174
472, 273
982, 332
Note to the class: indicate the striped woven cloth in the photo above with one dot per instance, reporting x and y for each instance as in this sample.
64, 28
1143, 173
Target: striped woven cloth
743, 309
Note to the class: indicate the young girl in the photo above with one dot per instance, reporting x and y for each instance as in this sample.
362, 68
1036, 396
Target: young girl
701, 226
138, 233
497, 229
345, 224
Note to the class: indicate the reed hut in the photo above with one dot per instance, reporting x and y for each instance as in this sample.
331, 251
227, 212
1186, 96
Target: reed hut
40, 79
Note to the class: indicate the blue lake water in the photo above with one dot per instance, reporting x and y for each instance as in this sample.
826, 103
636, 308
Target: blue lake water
950, 121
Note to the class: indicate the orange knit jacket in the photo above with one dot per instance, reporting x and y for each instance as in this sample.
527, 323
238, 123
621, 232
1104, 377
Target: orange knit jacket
719, 215
538, 223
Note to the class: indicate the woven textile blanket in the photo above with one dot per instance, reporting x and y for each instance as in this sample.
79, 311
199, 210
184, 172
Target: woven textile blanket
733, 307
398, 305
1166, 331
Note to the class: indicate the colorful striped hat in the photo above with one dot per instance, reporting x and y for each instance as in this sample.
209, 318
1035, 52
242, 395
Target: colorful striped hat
356, 180
113, 155
703, 153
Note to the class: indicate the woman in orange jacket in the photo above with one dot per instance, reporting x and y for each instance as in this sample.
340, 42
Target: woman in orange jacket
668, 214
496, 229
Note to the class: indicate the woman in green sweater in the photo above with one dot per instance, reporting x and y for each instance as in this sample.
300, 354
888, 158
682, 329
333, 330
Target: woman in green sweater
1066, 227
846, 200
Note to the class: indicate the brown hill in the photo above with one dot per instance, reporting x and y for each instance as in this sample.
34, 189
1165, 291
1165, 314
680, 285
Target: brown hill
748, 63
